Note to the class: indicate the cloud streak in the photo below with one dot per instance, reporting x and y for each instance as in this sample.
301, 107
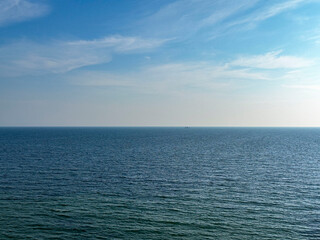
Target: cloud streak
268, 12
120, 43
204, 76
170, 78
304, 87
184, 18
12, 11
272, 60
29, 58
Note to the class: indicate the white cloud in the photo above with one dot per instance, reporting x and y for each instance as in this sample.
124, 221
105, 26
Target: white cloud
120, 43
25, 58
183, 18
265, 13
170, 78
223, 11
306, 87
312, 35
207, 77
20, 10
274, 10
254, 16
272, 60
315, 39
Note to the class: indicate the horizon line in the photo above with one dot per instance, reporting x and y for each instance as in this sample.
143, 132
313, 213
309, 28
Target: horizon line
155, 126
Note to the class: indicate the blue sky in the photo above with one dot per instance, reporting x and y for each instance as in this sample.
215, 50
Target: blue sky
159, 63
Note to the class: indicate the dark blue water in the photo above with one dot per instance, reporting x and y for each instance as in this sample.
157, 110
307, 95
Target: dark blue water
159, 183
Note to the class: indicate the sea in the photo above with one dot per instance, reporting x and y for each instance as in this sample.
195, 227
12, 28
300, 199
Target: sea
159, 183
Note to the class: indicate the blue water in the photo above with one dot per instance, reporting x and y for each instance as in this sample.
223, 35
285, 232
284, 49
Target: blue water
159, 183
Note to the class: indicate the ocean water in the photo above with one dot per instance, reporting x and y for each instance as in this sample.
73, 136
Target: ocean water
159, 183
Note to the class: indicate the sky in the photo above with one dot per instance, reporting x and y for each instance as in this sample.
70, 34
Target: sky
160, 63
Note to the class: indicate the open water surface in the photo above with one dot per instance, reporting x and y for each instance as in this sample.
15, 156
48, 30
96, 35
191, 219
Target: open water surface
159, 183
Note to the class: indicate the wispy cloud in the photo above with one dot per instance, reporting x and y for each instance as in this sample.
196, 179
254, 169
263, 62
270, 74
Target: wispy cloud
312, 35
314, 38
254, 16
184, 18
205, 76
272, 60
306, 87
267, 12
120, 43
25, 57
170, 78
20, 10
